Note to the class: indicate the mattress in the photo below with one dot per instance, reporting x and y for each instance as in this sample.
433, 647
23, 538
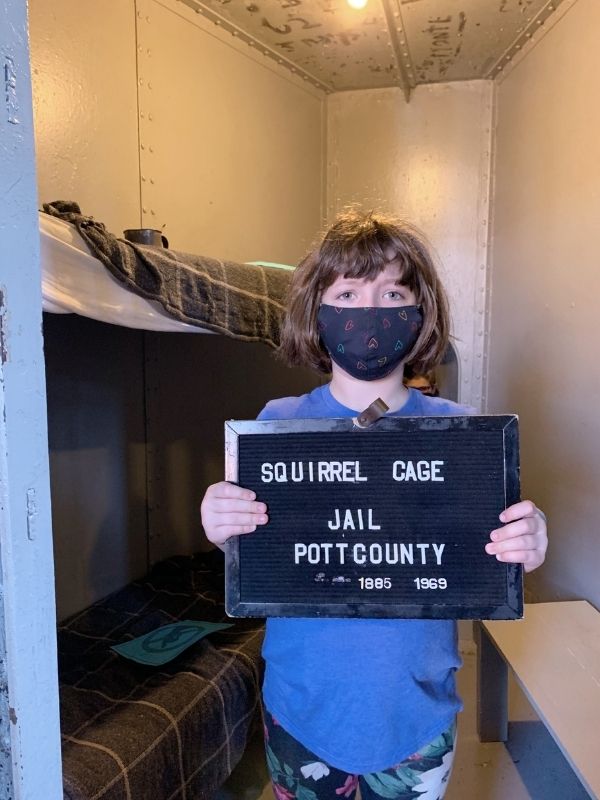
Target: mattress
73, 281
173, 732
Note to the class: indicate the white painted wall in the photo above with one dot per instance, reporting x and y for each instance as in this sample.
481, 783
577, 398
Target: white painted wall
427, 161
544, 332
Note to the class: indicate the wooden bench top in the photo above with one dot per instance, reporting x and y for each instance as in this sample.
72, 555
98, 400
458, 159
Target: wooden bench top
554, 653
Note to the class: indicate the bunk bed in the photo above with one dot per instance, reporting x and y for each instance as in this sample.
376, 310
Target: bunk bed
129, 730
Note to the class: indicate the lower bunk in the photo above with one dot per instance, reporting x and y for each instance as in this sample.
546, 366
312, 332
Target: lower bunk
171, 732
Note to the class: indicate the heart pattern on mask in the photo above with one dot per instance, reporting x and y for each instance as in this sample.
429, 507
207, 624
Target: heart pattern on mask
368, 343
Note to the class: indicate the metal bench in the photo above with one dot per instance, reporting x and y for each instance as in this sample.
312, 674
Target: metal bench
554, 653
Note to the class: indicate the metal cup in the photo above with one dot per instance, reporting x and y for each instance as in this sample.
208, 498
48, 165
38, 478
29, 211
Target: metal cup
147, 236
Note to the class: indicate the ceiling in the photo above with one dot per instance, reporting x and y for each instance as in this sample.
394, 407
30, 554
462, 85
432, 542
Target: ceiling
388, 43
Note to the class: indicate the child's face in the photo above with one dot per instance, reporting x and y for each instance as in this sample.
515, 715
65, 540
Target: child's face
383, 292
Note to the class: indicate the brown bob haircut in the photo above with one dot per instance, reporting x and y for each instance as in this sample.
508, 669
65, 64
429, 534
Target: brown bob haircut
361, 245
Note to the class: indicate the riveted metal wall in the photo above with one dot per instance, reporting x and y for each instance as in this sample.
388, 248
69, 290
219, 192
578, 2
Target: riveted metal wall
231, 144
545, 285
85, 105
428, 161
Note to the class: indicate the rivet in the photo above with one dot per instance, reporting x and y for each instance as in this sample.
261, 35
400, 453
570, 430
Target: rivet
141, 81
149, 85
143, 177
150, 117
142, 147
152, 212
145, 210
151, 149
147, 19
142, 114
152, 181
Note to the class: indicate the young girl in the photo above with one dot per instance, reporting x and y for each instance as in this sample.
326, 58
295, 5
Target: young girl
369, 702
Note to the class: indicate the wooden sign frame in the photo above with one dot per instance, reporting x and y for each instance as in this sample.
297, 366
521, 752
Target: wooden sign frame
317, 488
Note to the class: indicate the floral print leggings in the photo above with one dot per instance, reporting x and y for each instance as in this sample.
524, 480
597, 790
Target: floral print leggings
298, 774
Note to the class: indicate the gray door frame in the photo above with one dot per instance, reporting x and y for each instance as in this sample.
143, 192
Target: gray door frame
30, 764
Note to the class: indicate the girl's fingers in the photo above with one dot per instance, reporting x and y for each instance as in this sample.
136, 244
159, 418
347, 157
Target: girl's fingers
520, 543
227, 531
229, 491
223, 506
525, 508
527, 525
228, 510
531, 559
239, 519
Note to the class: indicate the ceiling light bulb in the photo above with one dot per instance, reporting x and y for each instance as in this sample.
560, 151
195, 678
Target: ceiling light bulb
358, 4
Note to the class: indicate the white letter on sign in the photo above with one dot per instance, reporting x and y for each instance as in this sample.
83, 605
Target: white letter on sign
300, 551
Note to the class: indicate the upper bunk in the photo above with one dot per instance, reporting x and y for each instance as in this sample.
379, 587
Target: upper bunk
88, 271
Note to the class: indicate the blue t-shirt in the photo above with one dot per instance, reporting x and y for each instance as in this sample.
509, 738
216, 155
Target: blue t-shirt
362, 694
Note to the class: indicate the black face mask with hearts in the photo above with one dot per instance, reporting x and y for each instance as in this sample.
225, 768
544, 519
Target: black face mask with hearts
369, 343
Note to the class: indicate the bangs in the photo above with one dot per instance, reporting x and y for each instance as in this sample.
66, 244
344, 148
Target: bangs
365, 256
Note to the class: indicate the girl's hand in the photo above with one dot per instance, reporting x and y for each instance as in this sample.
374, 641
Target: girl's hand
523, 539
229, 510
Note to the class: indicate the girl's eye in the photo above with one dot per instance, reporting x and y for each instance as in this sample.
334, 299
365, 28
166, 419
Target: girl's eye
346, 296
393, 294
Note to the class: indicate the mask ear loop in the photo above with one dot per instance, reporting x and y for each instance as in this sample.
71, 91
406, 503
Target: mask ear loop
371, 414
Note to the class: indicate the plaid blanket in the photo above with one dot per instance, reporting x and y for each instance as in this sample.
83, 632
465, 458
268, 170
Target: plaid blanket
133, 732
239, 300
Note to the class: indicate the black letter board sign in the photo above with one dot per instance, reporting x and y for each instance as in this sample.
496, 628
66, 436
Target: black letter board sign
389, 521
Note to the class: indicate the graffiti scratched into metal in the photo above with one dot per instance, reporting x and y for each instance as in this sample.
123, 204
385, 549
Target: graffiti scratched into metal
10, 89
430, 40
